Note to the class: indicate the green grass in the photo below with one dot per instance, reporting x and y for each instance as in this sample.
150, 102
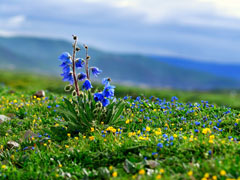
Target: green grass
131, 150
32, 82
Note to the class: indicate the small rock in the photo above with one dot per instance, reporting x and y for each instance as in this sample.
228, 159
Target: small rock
12, 144
3, 118
29, 134
40, 94
11, 115
11, 92
152, 164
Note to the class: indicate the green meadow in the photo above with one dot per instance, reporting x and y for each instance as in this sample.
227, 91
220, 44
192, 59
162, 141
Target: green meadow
157, 136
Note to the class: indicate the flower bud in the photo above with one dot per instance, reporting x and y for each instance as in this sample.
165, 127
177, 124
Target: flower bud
68, 88
78, 49
74, 93
81, 94
74, 37
88, 57
85, 46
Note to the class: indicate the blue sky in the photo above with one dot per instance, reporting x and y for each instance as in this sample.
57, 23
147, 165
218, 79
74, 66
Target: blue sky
207, 30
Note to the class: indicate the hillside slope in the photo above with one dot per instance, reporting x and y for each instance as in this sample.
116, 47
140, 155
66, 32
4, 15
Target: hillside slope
40, 54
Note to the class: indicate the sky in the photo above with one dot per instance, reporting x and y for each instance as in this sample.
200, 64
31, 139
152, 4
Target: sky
206, 30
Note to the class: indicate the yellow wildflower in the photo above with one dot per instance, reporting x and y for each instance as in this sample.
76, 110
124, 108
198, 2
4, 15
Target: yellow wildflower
190, 173
223, 173
162, 171
114, 174
159, 176
91, 138
141, 172
148, 128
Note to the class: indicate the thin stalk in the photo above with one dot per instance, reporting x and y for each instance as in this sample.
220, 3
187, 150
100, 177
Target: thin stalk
73, 68
86, 67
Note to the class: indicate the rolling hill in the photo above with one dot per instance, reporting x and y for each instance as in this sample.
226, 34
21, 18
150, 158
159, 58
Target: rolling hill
41, 54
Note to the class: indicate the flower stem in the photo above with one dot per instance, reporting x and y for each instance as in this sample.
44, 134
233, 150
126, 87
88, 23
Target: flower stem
73, 68
86, 67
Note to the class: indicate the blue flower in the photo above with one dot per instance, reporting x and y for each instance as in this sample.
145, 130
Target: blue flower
65, 57
98, 97
87, 85
108, 91
105, 102
66, 69
165, 136
79, 63
68, 77
197, 123
95, 71
171, 138
82, 76
174, 98
160, 145
106, 81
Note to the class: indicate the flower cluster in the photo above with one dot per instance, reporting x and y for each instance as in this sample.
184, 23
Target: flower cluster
69, 66
66, 67
107, 93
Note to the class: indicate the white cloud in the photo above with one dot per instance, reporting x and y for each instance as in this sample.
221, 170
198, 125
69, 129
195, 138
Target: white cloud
230, 8
12, 22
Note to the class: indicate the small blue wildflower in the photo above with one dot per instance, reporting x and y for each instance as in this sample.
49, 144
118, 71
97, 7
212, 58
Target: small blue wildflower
95, 71
57, 105
98, 96
87, 85
68, 77
154, 153
197, 123
174, 98
108, 91
82, 76
171, 138
165, 136
105, 102
196, 130
49, 107
79, 63
65, 57
210, 152
106, 81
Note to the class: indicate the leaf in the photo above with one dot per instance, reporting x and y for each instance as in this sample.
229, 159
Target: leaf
129, 167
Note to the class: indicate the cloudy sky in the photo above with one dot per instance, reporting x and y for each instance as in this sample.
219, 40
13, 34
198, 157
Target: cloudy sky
207, 30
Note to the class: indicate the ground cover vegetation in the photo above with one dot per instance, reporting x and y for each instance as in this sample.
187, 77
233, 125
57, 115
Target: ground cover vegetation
92, 134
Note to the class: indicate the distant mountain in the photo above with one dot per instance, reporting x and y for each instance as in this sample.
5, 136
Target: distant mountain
222, 70
41, 55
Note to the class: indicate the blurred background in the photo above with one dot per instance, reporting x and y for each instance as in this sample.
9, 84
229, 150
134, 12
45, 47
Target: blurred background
156, 47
